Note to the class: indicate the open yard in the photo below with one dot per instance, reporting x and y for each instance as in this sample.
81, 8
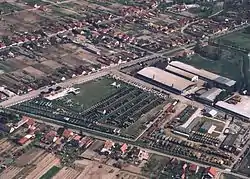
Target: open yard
92, 93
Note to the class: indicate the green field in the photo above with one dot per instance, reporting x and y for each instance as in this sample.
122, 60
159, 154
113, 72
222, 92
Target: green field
239, 39
52, 172
91, 93
223, 67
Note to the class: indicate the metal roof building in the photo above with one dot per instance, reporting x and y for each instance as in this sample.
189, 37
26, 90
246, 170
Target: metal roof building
210, 95
180, 72
165, 79
204, 74
243, 112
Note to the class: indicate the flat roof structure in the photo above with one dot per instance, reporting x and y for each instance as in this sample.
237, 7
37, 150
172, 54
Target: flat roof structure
242, 109
203, 73
180, 72
211, 94
165, 78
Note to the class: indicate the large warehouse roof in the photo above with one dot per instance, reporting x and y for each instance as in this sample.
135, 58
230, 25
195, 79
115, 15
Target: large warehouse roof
203, 73
239, 110
180, 72
165, 78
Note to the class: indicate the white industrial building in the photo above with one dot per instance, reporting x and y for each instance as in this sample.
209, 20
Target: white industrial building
206, 75
165, 80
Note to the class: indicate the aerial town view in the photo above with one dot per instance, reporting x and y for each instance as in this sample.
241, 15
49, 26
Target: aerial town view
124, 89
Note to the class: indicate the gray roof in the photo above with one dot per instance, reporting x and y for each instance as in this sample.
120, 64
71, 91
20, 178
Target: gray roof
211, 94
229, 140
225, 81
207, 125
180, 72
245, 112
203, 73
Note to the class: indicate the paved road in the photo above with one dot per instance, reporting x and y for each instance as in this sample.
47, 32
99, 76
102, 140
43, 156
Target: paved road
78, 80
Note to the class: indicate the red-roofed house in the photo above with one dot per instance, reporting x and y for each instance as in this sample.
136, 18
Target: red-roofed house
108, 146
67, 133
77, 138
124, 147
211, 172
193, 168
23, 140
30, 123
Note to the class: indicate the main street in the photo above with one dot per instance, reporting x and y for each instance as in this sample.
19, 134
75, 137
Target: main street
84, 78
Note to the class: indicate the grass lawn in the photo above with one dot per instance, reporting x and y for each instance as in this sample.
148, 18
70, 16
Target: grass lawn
239, 39
227, 68
91, 93
52, 172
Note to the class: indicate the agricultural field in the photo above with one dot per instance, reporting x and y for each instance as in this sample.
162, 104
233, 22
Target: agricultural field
105, 105
90, 94
51, 172
33, 2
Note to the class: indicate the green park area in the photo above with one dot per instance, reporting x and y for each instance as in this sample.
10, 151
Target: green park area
91, 93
